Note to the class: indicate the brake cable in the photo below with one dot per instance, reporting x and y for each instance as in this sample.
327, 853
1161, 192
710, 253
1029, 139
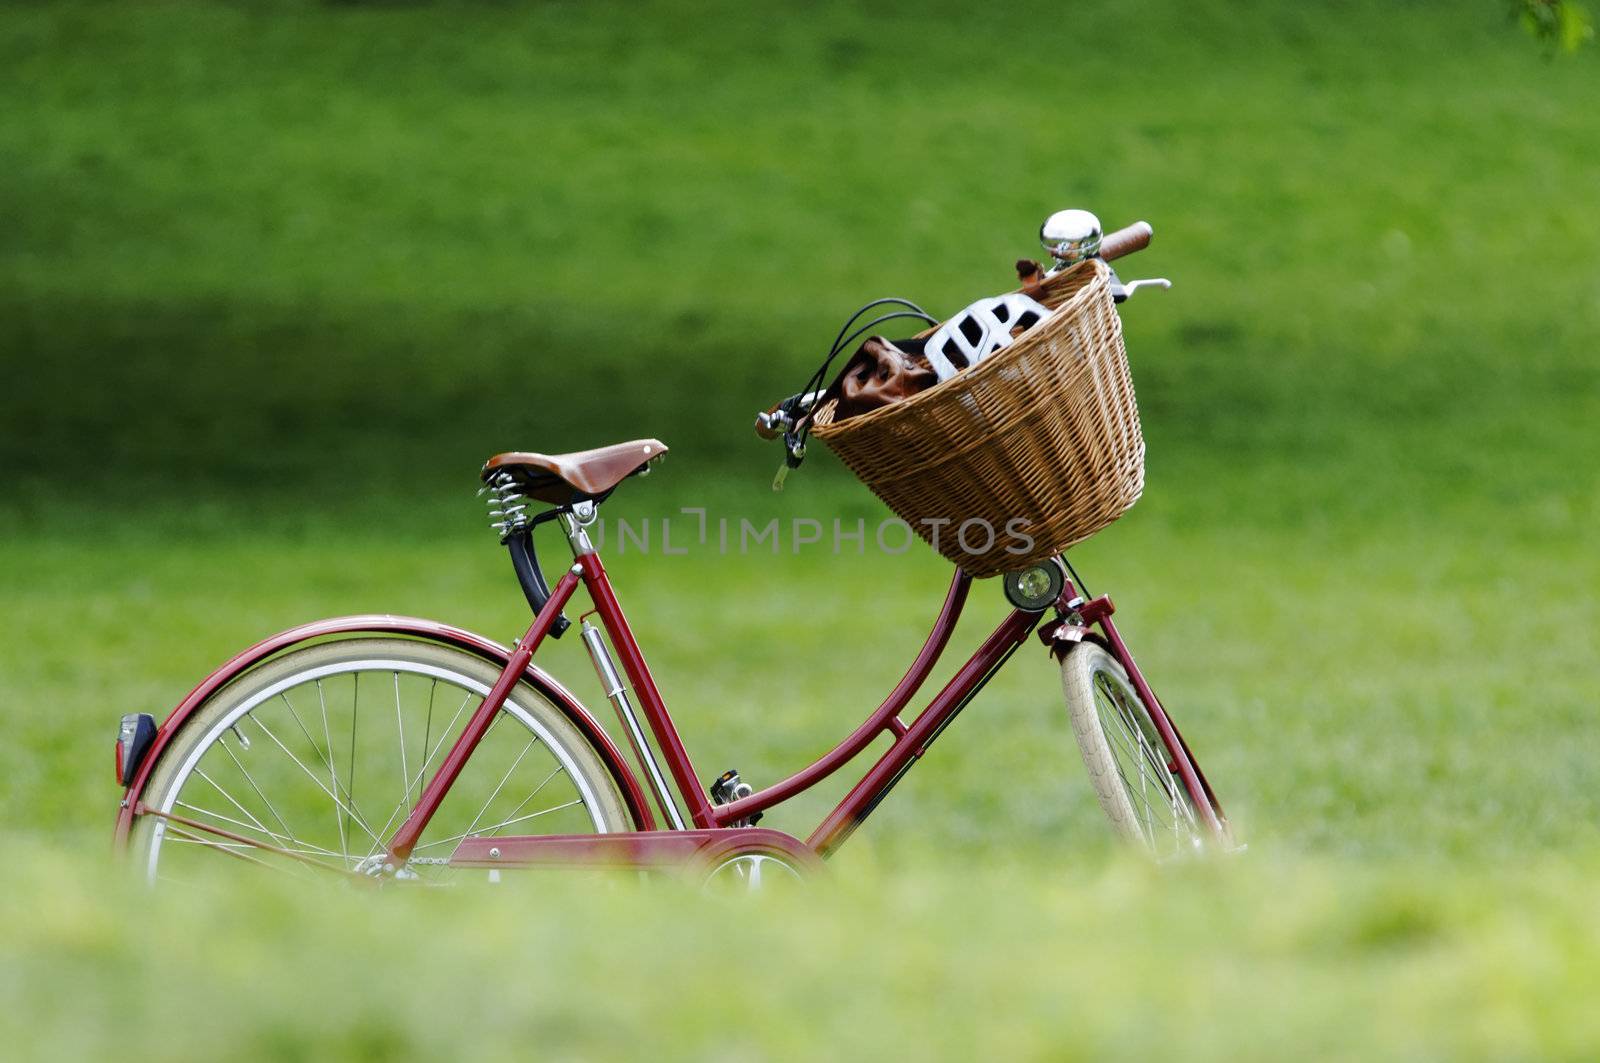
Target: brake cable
799, 430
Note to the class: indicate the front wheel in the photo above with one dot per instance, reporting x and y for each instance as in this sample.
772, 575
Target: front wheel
310, 763
1133, 772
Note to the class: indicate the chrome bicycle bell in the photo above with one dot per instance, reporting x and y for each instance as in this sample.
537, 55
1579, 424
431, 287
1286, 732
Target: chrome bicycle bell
1071, 236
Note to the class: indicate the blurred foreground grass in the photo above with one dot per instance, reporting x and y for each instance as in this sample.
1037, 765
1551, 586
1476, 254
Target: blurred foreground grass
1248, 959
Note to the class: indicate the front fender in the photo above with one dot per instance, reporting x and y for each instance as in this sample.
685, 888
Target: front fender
1060, 637
381, 625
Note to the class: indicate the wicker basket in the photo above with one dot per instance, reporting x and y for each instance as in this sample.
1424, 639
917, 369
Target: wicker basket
1041, 438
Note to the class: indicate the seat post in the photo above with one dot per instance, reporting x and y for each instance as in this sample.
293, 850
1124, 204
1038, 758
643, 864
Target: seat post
576, 522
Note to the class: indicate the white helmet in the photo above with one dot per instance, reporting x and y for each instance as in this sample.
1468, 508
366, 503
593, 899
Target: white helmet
978, 331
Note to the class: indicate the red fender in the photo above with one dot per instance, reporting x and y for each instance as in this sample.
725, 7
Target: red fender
376, 625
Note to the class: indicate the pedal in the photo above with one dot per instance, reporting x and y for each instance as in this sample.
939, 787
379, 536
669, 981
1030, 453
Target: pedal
730, 788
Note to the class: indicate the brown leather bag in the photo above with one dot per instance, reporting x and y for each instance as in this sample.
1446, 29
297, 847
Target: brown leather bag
879, 373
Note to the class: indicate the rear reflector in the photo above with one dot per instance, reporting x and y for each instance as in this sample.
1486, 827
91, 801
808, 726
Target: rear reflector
134, 736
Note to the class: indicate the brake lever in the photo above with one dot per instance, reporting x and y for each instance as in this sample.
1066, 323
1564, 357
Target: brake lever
1121, 292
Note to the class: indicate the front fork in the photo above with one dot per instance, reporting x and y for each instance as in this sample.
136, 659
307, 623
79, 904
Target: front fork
1077, 617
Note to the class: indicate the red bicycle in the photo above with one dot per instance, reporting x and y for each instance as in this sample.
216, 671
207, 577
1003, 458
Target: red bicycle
393, 748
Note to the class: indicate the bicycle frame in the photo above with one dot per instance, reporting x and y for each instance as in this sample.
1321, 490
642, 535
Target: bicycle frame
716, 824
716, 831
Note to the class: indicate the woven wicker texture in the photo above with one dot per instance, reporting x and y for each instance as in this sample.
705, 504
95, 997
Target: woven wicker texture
1041, 438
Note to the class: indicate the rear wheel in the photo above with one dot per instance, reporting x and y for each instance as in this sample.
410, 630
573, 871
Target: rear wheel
308, 764
1133, 772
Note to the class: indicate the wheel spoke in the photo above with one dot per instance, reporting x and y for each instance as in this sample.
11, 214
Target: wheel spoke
312, 742
249, 795
1122, 735
197, 810
176, 823
1133, 729
417, 781
520, 806
400, 725
355, 816
1174, 790
251, 780
501, 785
242, 847
1119, 710
1126, 785
322, 758
1127, 730
427, 733
333, 773
506, 823
235, 851
262, 827
355, 709
557, 770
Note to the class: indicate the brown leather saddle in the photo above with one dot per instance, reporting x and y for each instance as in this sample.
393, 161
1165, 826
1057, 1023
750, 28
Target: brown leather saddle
562, 479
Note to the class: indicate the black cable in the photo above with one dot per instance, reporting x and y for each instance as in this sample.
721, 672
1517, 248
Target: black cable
842, 344
840, 340
1082, 589
877, 302
795, 440
878, 321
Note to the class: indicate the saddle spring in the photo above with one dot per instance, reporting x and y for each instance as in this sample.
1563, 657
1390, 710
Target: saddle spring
508, 508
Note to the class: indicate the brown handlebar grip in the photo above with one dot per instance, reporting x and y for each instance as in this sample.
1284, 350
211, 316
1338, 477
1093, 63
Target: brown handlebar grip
1135, 237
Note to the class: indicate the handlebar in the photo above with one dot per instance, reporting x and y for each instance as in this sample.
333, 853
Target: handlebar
1135, 237
771, 423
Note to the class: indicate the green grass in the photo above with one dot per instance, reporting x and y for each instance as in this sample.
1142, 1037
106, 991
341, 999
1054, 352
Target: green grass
1254, 960
274, 279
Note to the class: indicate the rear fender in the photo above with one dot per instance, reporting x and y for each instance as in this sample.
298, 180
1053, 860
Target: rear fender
378, 626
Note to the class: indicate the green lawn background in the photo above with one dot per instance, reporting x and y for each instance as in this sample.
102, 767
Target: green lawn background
274, 280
